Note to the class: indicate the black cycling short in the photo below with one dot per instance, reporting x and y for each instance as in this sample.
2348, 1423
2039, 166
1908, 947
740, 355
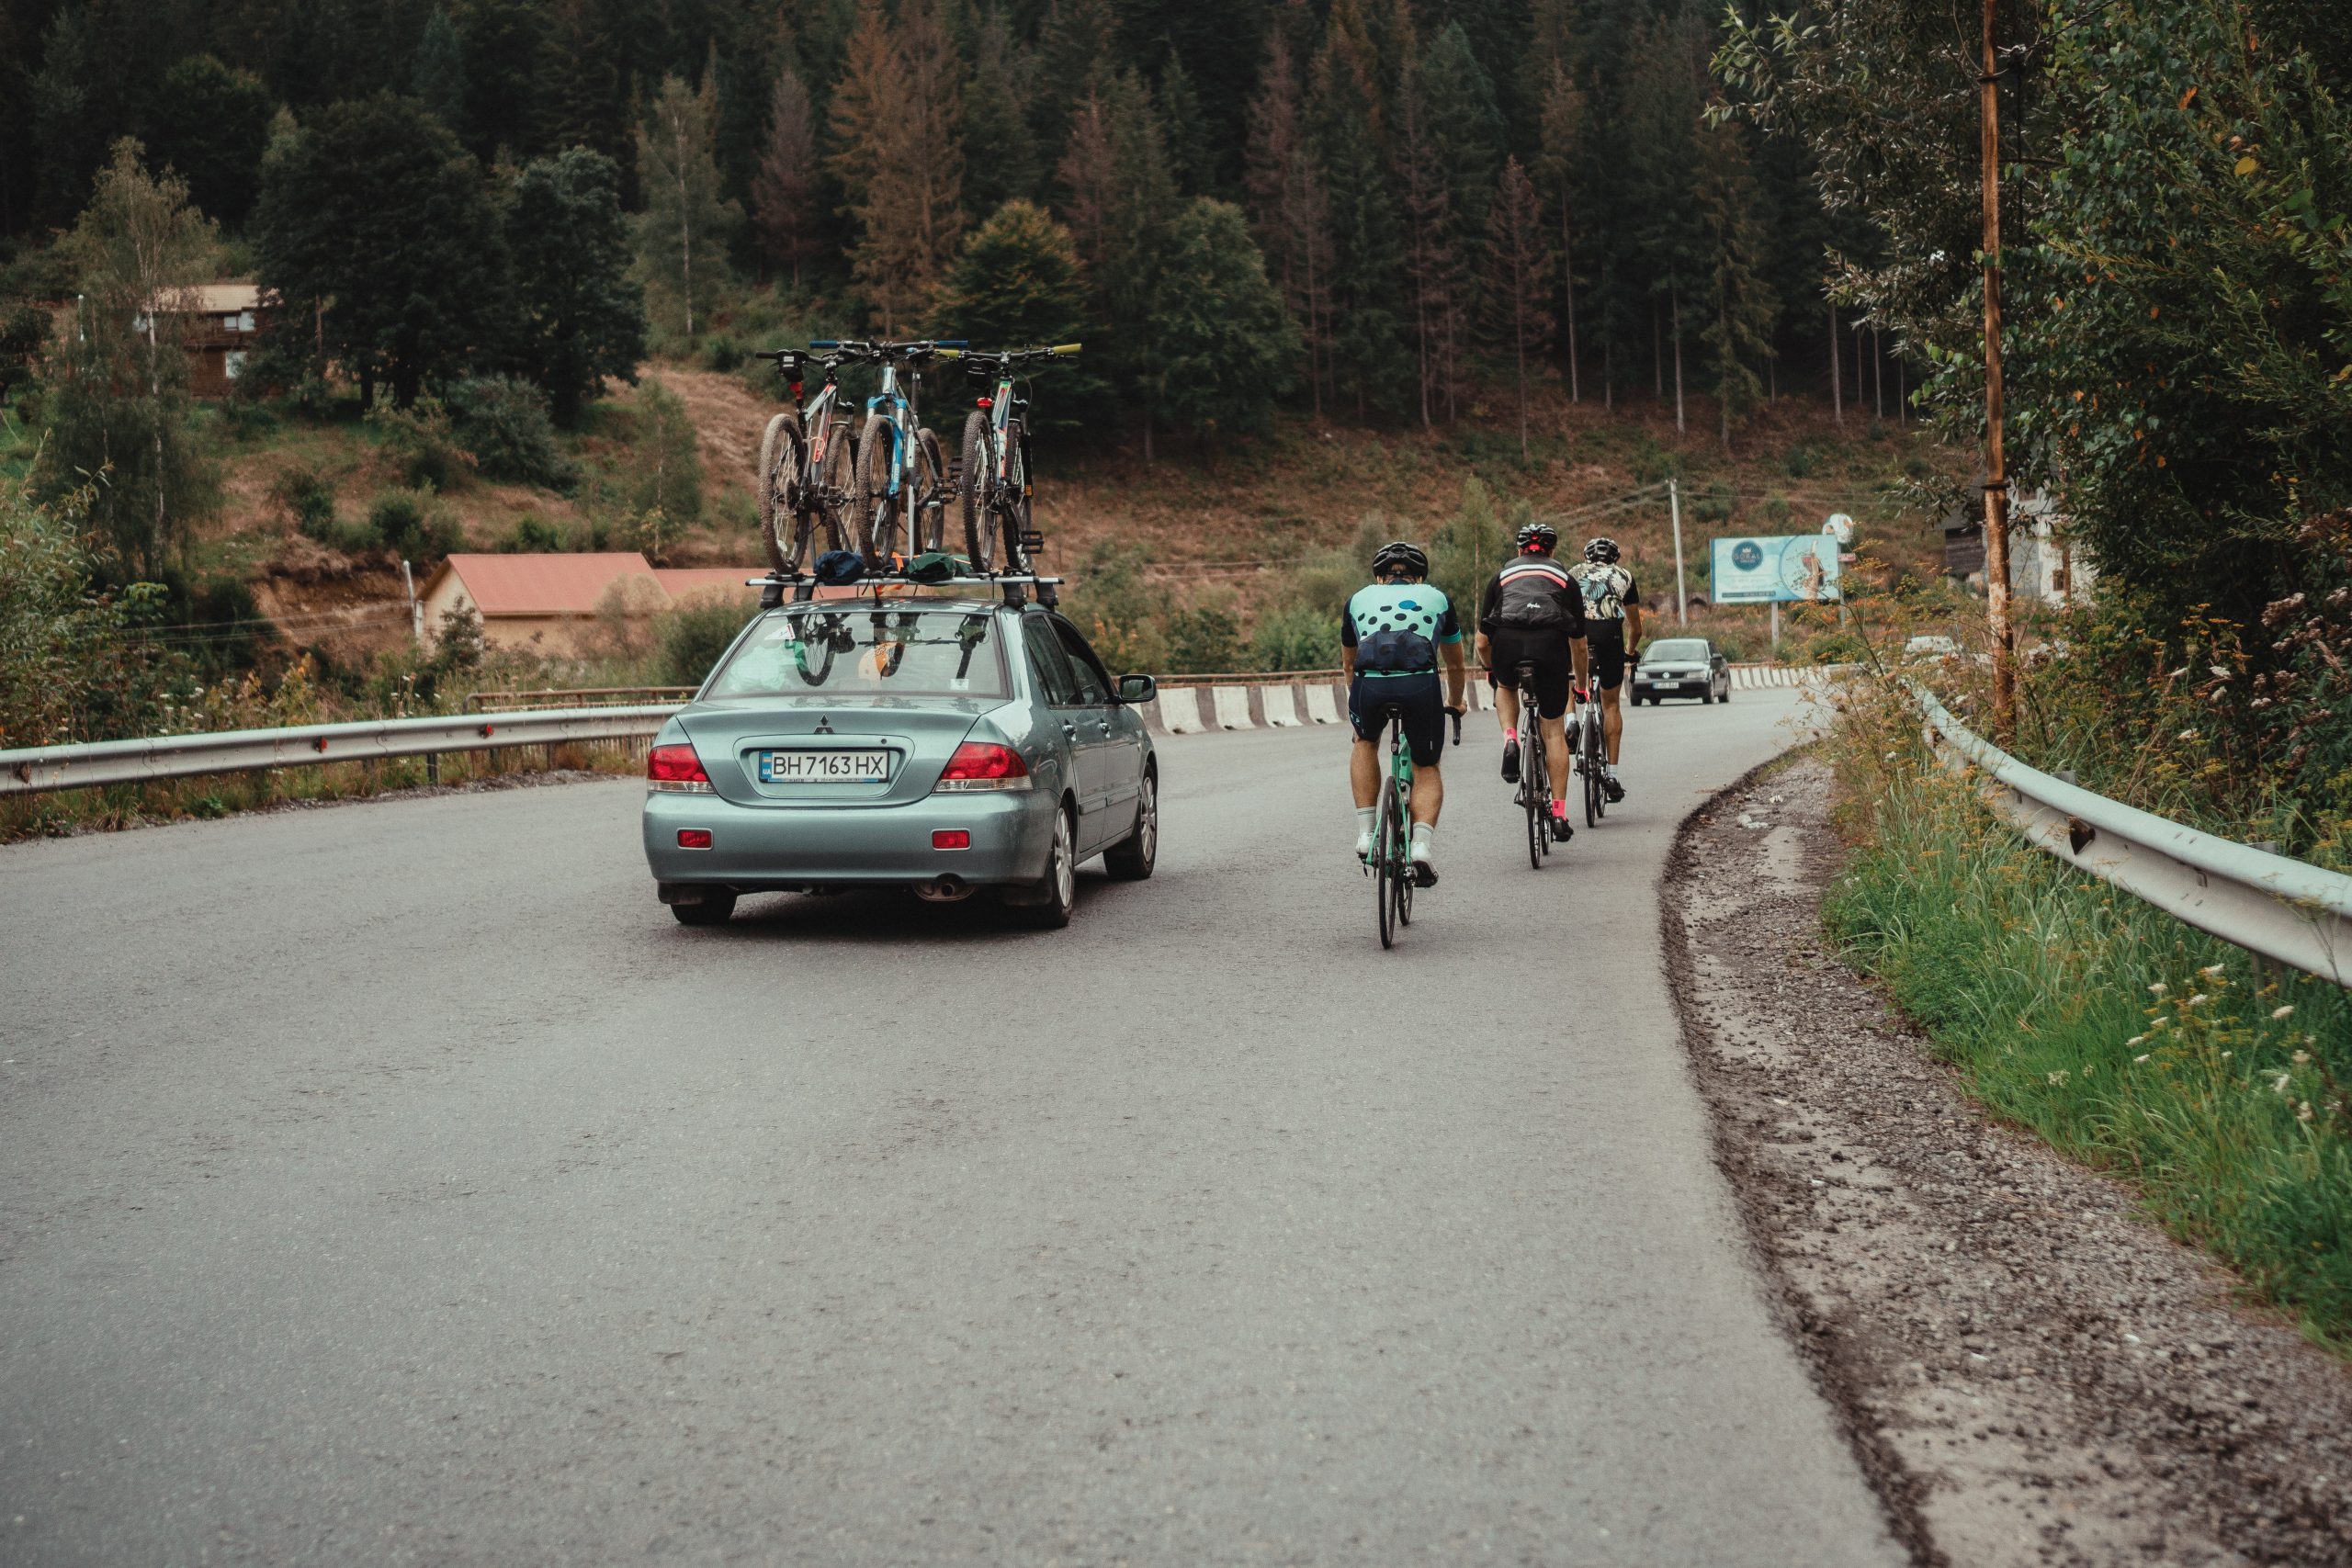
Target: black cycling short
1548, 650
1424, 705
1607, 641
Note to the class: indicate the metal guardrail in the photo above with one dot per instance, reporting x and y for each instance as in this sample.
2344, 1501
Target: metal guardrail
576, 696
2274, 905
34, 769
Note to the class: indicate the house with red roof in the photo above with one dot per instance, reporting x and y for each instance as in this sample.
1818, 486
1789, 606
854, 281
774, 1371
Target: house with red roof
543, 602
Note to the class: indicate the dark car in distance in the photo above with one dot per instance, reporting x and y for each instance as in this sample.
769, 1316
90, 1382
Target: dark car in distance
1682, 667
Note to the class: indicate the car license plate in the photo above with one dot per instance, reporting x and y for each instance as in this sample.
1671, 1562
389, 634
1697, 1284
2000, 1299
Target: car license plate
825, 767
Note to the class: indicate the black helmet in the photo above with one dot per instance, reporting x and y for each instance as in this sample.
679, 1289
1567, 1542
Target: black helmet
1539, 536
1400, 554
1602, 552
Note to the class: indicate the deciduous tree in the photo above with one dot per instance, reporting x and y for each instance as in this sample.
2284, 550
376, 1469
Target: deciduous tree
682, 235
784, 192
580, 316
1518, 276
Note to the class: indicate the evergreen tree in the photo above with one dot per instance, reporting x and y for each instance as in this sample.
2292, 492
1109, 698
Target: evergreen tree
439, 77
898, 155
1663, 240
210, 125
1120, 197
1518, 271
576, 90
376, 231
1223, 342
1558, 166
1076, 52
1433, 256
119, 410
1466, 130
1369, 364
1016, 284
1739, 304
682, 235
1189, 154
1287, 211
742, 69
502, 39
784, 192
580, 316
1000, 161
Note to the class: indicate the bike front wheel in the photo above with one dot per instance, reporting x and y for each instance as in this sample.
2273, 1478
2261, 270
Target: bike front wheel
978, 490
927, 518
1535, 789
877, 512
1590, 766
782, 458
833, 510
1012, 501
1384, 855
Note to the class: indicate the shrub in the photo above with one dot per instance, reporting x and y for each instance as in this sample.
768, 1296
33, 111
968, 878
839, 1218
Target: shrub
414, 525
1204, 640
504, 424
420, 442
723, 353
1800, 462
689, 639
1297, 636
308, 497
535, 535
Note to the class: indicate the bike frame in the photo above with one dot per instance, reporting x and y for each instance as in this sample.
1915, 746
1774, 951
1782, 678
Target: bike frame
901, 423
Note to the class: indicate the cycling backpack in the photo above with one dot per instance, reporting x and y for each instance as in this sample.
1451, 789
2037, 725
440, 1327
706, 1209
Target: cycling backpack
1529, 596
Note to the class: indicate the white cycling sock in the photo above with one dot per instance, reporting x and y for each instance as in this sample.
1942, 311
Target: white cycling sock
1422, 833
1367, 818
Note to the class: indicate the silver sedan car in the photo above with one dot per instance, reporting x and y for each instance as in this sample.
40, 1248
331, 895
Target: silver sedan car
944, 746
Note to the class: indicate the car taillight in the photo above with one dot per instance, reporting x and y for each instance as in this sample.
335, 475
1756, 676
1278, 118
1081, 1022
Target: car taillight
984, 765
676, 769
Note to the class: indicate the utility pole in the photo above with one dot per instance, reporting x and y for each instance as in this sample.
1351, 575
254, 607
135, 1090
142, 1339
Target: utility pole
415, 610
1681, 595
1996, 477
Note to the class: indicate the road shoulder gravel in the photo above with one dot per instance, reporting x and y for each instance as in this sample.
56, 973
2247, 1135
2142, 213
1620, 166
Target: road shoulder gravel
2029, 1369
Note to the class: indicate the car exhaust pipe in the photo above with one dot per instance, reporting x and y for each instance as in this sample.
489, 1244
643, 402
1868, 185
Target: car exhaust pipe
949, 889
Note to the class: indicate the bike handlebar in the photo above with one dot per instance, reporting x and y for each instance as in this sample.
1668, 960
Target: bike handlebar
1456, 713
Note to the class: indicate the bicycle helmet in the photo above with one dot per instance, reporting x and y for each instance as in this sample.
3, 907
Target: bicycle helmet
1601, 552
1539, 536
1400, 554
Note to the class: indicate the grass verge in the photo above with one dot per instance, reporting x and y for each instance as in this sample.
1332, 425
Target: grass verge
2126, 1039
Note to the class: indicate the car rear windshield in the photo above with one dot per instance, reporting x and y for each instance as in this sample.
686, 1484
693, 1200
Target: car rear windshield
866, 652
1676, 650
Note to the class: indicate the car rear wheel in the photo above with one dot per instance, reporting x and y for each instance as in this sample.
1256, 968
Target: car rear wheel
715, 909
1056, 891
1130, 859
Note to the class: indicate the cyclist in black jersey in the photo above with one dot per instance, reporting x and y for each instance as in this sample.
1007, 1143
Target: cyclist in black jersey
1533, 612
1612, 615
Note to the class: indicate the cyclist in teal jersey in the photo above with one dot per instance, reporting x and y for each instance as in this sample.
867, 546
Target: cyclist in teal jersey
1392, 637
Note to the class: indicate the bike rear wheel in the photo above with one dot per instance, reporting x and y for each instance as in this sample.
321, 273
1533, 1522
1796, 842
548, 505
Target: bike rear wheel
1590, 766
833, 510
1384, 875
877, 512
978, 490
782, 458
1012, 500
1536, 788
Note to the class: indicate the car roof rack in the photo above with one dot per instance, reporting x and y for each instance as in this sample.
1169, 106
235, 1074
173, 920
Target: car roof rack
1015, 586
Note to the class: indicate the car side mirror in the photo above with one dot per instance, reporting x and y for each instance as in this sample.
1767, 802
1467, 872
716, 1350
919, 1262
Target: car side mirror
1137, 689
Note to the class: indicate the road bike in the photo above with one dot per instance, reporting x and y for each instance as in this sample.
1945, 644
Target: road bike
1390, 864
1534, 768
995, 479
1591, 753
808, 466
901, 476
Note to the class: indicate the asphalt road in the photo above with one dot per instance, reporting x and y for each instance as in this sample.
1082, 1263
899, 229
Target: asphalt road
397, 1184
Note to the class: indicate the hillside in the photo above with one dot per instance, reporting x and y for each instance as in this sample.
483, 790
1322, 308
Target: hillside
1218, 528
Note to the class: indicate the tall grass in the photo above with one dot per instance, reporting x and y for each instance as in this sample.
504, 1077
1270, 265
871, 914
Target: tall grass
2221, 1088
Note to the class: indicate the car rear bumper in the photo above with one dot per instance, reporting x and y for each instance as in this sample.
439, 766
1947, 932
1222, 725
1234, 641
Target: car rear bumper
777, 849
1693, 688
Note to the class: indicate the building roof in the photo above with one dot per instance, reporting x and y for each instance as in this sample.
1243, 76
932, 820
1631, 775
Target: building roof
679, 581
207, 298
566, 584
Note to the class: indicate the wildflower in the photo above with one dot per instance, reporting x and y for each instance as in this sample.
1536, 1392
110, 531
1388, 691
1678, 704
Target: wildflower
2188, 735
2220, 670
2136, 1040
2301, 1058
2057, 1078
2279, 1085
2227, 1055
2210, 971
2287, 1012
2177, 673
2157, 988
2303, 1112
2194, 1000
2141, 1058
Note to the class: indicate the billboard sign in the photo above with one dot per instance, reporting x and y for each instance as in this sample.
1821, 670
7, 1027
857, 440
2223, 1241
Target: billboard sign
1768, 569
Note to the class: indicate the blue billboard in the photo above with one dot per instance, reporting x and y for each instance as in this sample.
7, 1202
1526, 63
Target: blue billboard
1765, 568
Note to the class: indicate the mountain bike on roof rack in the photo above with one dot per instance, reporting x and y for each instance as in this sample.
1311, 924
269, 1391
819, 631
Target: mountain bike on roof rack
902, 479
995, 482
808, 472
